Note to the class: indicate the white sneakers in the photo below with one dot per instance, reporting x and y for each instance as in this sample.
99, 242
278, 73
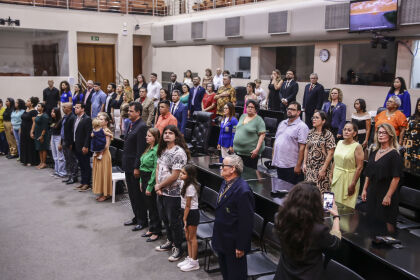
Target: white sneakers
189, 265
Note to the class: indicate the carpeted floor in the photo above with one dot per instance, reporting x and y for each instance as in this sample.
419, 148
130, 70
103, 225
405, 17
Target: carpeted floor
50, 231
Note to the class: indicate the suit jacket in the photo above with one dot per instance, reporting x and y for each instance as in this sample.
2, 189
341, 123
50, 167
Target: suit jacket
82, 133
148, 110
68, 130
134, 145
110, 104
197, 100
234, 218
312, 100
181, 115
338, 116
88, 102
177, 86
290, 92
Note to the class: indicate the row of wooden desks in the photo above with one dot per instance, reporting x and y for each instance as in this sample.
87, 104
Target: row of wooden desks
357, 250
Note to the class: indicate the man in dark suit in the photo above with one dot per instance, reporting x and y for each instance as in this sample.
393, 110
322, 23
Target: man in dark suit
179, 110
173, 85
67, 143
288, 90
134, 146
195, 97
233, 220
81, 131
110, 99
313, 98
88, 96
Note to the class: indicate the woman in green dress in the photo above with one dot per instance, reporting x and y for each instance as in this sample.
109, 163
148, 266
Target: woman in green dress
347, 167
185, 94
40, 134
249, 136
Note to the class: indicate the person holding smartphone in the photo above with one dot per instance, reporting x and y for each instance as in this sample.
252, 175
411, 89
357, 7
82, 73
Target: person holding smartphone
303, 246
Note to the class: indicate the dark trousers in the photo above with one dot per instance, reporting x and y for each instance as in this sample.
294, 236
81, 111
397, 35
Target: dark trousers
170, 212
85, 169
289, 175
250, 162
308, 118
155, 223
136, 199
231, 267
71, 161
4, 147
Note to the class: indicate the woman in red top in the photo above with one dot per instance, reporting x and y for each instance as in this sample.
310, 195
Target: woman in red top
209, 103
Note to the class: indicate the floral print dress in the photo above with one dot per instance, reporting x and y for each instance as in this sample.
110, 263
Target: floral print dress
318, 145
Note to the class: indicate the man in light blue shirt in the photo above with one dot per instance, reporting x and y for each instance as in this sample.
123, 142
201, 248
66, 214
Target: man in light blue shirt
98, 100
290, 145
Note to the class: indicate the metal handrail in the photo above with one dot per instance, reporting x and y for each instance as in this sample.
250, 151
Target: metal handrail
119, 78
82, 81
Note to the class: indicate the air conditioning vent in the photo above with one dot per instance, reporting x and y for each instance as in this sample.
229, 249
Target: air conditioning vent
168, 33
197, 30
337, 16
233, 27
277, 22
410, 12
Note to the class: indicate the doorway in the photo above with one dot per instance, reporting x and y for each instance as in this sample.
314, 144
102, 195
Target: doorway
137, 61
97, 62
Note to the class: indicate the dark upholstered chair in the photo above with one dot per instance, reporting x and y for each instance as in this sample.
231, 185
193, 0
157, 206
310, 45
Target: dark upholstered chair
240, 96
271, 127
201, 132
409, 205
336, 270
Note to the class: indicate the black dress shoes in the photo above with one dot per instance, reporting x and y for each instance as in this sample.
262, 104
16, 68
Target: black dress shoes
146, 234
66, 180
130, 223
71, 181
138, 227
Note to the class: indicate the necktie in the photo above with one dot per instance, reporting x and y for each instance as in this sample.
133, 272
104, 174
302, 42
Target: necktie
311, 87
173, 109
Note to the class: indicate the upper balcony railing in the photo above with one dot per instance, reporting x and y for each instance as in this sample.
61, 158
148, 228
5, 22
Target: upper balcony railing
147, 7
143, 7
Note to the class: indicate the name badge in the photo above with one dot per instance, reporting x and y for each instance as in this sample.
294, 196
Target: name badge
227, 129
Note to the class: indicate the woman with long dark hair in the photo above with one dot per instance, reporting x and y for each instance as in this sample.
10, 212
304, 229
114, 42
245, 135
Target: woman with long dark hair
65, 92
28, 156
140, 83
303, 234
399, 89
78, 95
319, 152
40, 134
57, 152
148, 162
188, 78
17, 121
362, 119
185, 94
173, 155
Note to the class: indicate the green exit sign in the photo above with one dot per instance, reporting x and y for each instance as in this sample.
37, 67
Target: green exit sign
94, 38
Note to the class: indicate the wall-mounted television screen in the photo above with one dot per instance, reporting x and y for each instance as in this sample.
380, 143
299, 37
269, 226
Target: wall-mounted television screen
371, 15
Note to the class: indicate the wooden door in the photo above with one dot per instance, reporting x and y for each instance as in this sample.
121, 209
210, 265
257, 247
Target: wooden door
105, 65
137, 61
97, 63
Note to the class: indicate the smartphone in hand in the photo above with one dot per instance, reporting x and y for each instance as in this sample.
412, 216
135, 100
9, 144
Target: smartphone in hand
328, 198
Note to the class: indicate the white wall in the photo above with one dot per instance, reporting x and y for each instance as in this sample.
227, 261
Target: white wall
79, 25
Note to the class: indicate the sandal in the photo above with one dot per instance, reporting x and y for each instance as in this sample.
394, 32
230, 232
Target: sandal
147, 234
103, 198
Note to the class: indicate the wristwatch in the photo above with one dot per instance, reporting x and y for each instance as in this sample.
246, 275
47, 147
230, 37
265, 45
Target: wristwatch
336, 216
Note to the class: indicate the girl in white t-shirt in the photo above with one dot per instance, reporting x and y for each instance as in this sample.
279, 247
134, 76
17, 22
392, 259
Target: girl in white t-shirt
189, 204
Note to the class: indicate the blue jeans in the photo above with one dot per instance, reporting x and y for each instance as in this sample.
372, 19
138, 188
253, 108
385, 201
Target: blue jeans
17, 137
58, 156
